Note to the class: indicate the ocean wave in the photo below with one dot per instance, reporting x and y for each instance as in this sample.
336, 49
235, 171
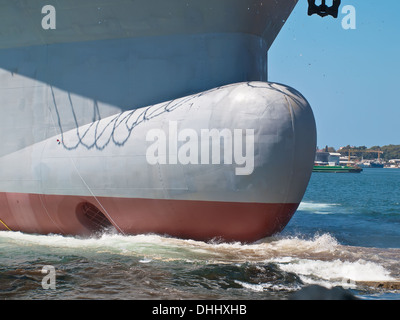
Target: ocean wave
260, 287
320, 259
318, 208
336, 272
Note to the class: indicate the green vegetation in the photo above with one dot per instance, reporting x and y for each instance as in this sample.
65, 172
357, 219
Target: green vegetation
389, 152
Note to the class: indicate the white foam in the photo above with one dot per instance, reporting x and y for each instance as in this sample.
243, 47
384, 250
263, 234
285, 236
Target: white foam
318, 208
266, 286
251, 286
319, 243
336, 270
159, 247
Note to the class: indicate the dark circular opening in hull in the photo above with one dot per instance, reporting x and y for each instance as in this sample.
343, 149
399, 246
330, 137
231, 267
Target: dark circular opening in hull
92, 217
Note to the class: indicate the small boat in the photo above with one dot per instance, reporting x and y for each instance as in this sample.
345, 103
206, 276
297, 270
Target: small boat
337, 169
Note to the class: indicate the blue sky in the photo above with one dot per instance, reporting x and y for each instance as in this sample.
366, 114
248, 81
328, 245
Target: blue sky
351, 78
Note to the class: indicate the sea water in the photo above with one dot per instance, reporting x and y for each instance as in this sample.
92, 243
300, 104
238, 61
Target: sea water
345, 232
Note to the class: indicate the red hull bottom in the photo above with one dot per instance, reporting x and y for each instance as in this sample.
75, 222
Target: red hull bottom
198, 220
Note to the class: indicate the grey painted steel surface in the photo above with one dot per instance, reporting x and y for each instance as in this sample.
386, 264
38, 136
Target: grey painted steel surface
108, 158
105, 57
91, 20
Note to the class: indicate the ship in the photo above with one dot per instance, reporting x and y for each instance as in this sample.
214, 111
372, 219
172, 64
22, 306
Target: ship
149, 117
326, 161
371, 164
337, 169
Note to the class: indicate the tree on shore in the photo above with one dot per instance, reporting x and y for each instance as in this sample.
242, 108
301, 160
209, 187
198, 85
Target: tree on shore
389, 152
